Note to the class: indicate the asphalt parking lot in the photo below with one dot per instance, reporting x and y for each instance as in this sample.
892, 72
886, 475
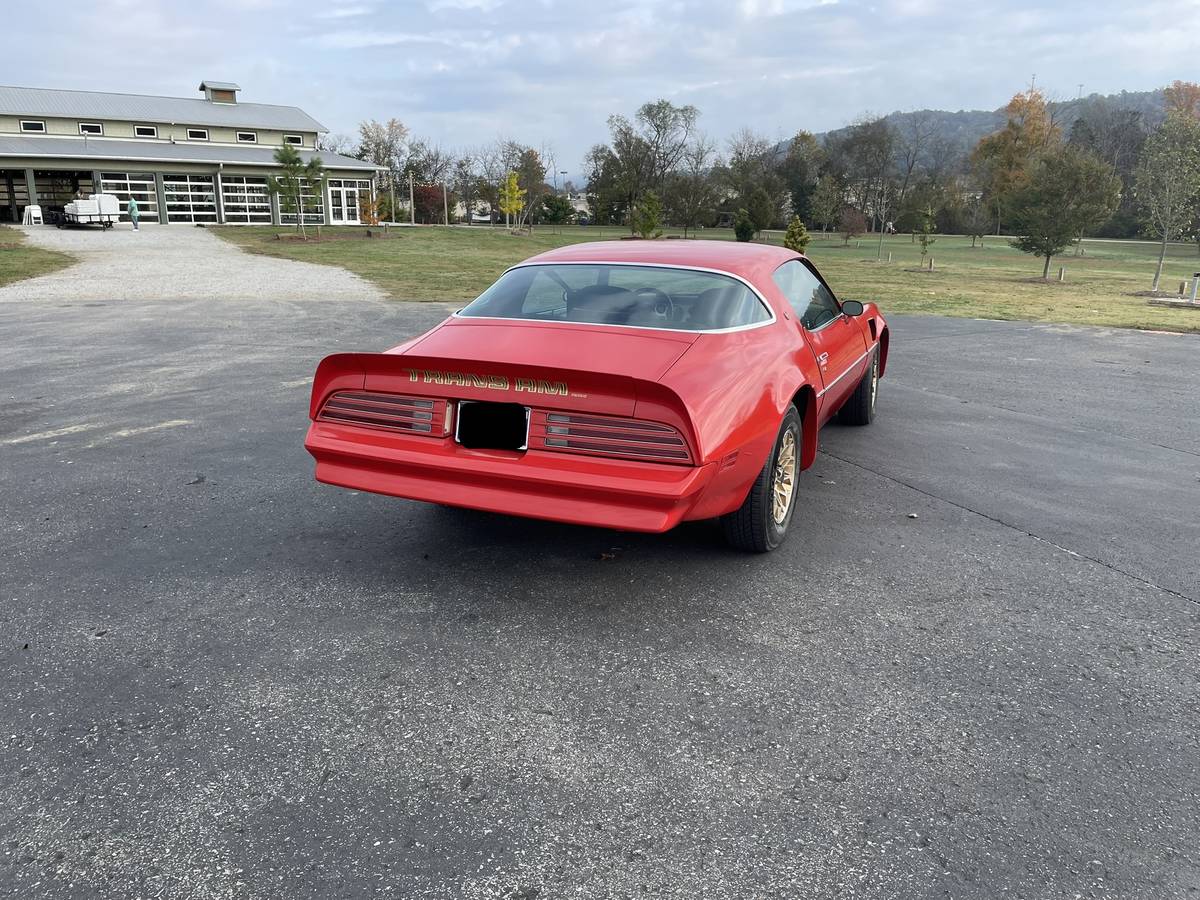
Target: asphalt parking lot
223, 680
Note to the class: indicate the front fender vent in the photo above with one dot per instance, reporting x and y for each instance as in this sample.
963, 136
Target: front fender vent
413, 415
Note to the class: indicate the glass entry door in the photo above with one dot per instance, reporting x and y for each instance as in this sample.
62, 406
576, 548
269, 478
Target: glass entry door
343, 205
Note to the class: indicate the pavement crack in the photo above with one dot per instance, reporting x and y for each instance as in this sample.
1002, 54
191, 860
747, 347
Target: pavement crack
1037, 537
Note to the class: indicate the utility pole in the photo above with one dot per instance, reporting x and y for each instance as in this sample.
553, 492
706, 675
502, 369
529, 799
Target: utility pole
445, 204
412, 206
392, 187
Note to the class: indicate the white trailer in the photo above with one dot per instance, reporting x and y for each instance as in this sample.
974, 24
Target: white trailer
98, 209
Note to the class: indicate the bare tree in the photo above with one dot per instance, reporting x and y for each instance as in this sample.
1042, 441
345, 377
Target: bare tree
342, 144
913, 140
691, 188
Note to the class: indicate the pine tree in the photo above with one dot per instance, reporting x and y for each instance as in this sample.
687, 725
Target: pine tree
797, 237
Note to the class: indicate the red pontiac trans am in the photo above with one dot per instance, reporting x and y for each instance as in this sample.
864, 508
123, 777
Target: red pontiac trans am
629, 385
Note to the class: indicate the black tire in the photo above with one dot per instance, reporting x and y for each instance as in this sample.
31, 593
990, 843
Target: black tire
859, 409
753, 526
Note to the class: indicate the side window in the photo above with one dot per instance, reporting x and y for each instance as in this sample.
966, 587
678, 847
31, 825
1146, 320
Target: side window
811, 301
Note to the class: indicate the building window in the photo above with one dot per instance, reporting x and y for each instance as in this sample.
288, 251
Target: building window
33, 126
197, 134
91, 128
297, 139
247, 137
148, 131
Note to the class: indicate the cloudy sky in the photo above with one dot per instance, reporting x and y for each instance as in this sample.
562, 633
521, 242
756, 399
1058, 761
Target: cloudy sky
464, 71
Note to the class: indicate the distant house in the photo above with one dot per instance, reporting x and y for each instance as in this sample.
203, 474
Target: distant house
186, 160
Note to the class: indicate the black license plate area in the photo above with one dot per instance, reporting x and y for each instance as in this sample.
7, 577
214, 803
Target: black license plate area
492, 426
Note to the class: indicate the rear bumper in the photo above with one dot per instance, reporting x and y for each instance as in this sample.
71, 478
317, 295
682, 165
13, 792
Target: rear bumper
561, 487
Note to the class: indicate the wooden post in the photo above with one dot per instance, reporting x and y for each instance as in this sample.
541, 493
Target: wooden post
889, 256
412, 205
931, 264
392, 187
1182, 287
445, 204
1062, 274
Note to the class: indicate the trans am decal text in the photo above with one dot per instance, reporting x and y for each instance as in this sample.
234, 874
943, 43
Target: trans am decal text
491, 382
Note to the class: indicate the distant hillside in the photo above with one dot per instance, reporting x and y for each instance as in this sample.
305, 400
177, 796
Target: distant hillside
964, 128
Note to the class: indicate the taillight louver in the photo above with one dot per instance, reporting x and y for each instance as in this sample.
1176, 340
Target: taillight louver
412, 415
610, 436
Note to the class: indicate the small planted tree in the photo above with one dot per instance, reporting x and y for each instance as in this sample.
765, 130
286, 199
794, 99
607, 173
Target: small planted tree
797, 237
743, 228
647, 216
851, 224
1067, 192
295, 175
926, 228
512, 197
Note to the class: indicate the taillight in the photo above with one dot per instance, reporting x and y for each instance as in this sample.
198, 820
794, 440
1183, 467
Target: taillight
608, 436
413, 415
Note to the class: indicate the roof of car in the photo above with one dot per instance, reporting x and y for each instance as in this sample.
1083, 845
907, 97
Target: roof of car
743, 259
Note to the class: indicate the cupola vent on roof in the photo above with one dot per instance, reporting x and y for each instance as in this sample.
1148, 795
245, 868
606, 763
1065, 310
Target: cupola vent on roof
219, 91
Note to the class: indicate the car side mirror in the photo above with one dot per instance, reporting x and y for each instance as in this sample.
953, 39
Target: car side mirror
852, 308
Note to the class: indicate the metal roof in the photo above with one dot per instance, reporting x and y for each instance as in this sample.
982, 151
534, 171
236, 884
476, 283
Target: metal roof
96, 150
47, 102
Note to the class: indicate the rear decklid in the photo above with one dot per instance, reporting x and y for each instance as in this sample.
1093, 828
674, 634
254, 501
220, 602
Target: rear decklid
590, 368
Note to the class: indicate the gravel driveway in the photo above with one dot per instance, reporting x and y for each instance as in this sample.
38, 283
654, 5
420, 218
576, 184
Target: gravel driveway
175, 262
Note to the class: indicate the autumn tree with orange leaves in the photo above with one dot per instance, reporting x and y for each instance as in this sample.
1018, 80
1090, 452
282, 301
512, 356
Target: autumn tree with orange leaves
1183, 97
1003, 160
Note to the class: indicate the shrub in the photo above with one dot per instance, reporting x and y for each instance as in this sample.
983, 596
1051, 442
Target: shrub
743, 228
797, 237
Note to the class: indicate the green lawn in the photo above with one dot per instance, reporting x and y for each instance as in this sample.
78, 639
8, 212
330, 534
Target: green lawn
993, 281
18, 260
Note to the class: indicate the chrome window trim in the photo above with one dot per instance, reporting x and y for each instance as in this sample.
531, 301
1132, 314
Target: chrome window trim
632, 265
841, 315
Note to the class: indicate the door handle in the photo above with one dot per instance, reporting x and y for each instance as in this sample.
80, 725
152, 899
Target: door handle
823, 359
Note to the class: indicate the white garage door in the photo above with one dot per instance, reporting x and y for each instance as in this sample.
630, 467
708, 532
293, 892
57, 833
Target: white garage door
139, 185
245, 199
190, 198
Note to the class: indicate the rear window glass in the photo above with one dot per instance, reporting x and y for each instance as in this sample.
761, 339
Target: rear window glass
637, 296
